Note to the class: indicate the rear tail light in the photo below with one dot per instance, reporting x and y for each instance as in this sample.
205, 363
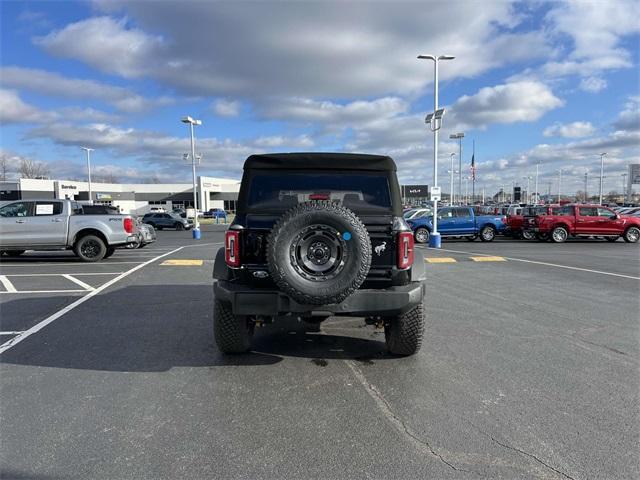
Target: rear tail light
405, 250
232, 248
128, 225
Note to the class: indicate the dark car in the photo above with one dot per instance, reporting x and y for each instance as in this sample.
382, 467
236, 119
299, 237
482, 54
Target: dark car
316, 235
166, 220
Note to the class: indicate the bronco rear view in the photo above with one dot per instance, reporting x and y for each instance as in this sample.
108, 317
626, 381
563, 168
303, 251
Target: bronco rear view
317, 235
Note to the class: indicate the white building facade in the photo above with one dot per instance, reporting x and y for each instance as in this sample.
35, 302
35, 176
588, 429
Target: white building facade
131, 198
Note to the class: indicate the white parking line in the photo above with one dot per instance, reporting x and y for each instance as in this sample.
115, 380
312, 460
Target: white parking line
59, 274
55, 264
10, 333
546, 264
52, 318
19, 292
86, 286
8, 286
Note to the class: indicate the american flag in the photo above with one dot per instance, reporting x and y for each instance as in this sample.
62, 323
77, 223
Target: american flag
473, 166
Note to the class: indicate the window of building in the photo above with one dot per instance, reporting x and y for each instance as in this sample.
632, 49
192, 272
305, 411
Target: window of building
230, 205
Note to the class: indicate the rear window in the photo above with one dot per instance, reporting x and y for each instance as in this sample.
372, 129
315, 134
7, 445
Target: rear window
285, 190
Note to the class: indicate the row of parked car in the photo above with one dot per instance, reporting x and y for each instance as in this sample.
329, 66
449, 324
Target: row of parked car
556, 223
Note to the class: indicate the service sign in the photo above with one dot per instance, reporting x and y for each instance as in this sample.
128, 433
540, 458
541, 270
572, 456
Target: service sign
435, 194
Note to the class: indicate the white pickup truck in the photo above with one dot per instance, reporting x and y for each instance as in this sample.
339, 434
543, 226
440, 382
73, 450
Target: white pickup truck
61, 224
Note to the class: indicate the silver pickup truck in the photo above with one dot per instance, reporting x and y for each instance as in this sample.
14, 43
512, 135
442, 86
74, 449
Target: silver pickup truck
62, 224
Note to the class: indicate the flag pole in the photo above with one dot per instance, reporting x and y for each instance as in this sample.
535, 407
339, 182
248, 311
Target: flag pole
473, 174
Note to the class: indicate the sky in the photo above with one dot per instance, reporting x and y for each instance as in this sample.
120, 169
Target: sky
548, 83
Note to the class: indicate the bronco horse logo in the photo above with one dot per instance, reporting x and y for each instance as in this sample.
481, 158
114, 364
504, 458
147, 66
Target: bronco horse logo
380, 248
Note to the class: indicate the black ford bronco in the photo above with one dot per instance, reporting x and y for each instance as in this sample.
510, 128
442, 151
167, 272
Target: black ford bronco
317, 235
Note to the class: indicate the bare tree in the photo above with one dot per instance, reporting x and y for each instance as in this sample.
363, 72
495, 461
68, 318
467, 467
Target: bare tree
33, 169
4, 168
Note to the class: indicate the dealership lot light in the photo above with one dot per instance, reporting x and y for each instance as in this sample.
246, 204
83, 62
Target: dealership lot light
89, 150
196, 225
435, 122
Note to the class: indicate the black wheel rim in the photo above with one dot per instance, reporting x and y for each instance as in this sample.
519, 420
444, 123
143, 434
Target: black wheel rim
90, 248
318, 253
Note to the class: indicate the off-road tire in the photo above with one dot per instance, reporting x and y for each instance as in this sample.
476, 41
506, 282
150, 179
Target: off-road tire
110, 251
559, 235
422, 235
232, 333
14, 253
631, 234
528, 235
98, 248
488, 233
404, 333
350, 270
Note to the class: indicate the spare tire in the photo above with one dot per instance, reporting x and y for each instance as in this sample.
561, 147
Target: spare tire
319, 253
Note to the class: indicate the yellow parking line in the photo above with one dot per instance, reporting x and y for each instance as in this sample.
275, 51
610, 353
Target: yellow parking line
488, 259
182, 262
440, 260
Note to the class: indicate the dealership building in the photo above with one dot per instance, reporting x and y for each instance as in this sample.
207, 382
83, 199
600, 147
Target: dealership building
131, 198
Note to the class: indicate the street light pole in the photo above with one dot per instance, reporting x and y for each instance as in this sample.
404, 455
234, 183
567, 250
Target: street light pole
624, 188
602, 155
586, 185
196, 224
451, 190
434, 239
528, 196
459, 136
89, 150
559, 185
536, 192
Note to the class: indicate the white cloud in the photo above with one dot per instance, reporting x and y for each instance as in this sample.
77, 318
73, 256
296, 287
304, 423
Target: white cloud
165, 151
593, 84
331, 50
14, 110
523, 101
53, 84
226, 108
332, 115
570, 130
629, 118
105, 44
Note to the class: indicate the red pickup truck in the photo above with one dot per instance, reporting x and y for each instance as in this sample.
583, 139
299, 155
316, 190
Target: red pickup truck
587, 220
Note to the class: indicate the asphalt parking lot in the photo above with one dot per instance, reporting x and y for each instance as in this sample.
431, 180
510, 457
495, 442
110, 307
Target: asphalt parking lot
529, 370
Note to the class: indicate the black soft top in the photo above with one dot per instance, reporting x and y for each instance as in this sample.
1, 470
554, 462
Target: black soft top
320, 161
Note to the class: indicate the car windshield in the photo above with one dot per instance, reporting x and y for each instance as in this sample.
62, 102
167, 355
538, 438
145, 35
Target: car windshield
282, 190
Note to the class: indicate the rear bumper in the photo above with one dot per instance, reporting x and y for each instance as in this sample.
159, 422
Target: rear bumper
366, 302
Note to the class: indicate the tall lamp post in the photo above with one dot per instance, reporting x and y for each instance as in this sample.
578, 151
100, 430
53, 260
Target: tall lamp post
451, 198
435, 121
89, 150
459, 136
527, 199
586, 185
196, 224
602, 155
624, 187
559, 185
536, 192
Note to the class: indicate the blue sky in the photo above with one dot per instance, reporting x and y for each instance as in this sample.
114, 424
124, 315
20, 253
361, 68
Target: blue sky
533, 82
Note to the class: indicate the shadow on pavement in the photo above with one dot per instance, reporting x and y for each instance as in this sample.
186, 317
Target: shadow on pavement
155, 328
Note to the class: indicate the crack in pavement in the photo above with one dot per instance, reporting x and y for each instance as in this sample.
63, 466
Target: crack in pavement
397, 422
516, 449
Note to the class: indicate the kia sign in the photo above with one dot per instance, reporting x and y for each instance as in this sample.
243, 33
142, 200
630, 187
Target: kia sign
416, 191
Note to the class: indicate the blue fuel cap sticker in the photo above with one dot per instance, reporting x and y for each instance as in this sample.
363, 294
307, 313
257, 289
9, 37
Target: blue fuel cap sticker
346, 236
